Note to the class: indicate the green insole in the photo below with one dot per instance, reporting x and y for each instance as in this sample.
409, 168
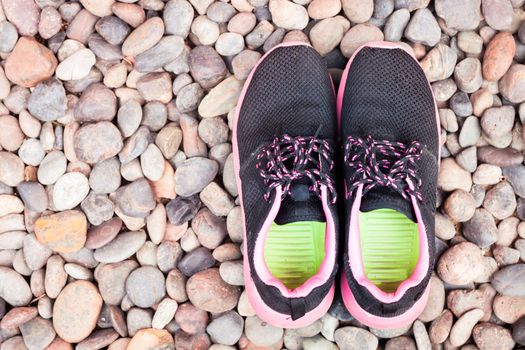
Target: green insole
294, 252
389, 247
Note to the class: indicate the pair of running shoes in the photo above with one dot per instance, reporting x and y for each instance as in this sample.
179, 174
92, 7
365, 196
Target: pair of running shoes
337, 186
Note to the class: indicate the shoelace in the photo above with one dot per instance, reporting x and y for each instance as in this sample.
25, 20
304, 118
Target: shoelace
383, 163
287, 159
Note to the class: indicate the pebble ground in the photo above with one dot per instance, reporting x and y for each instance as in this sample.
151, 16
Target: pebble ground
119, 218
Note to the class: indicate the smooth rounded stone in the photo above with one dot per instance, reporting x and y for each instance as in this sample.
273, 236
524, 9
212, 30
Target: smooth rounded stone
113, 29
481, 229
207, 291
144, 37
510, 84
182, 209
440, 328
178, 15
195, 261
11, 136
499, 157
104, 50
98, 208
213, 131
78, 272
288, 15
508, 231
244, 62
97, 103
460, 206
116, 75
155, 87
190, 319
14, 288
467, 159
505, 255
509, 281
229, 44
242, 23
326, 35
217, 199
258, 36
48, 100
77, 66
348, 338
135, 145
156, 224
23, 14
234, 222
228, 176
490, 336
423, 28
396, 24
135, 199
221, 99
132, 14
17, 316
460, 104
498, 14
176, 286
359, 35
498, 121
105, 176
8, 36
189, 97
76, 311
38, 333
168, 255
151, 338
467, 18
452, 176
16, 101
131, 171
100, 235
98, 340
439, 64
220, 12
470, 42
97, 142
509, 309
457, 264
209, 228
401, 343
121, 248
205, 30
63, 232
226, 329
500, 200
186, 183
421, 335
36, 253
69, 190
232, 272
12, 240
152, 163
11, 169
155, 115
138, 319
436, 301
31, 152
468, 75
81, 26
29, 50
487, 174
481, 100
321, 9
461, 330
515, 175
145, 286
498, 56
358, 11
111, 280
165, 313
261, 333
227, 252
518, 330
52, 167
164, 52
168, 140
10, 204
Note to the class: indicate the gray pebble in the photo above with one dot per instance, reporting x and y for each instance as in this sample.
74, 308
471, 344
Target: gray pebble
197, 260
145, 286
48, 100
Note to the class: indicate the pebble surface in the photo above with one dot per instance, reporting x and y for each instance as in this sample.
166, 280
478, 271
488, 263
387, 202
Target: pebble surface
120, 224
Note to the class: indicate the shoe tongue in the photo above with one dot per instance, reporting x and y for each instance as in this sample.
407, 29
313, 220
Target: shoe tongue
301, 205
384, 197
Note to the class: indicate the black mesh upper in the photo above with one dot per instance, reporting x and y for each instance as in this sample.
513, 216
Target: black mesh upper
388, 97
290, 93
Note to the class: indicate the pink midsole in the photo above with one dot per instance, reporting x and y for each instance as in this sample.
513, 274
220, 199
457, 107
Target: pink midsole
263, 311
381, 322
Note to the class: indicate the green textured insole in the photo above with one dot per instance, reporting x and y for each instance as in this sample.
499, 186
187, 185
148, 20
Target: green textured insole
389, 247
294, 252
